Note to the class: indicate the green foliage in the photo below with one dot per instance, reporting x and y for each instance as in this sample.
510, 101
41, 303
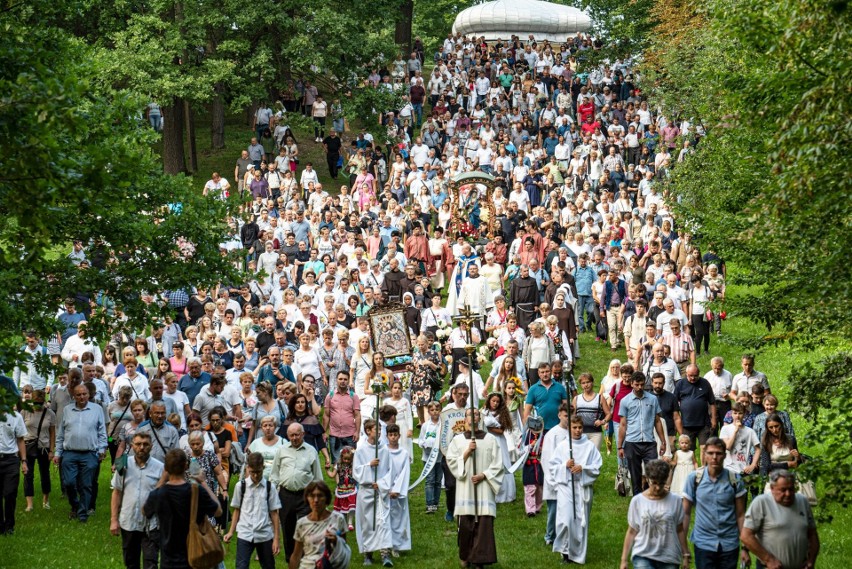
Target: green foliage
768, 183
78, 166
767, 189
433, 20
623, 26
367, 103
824, 392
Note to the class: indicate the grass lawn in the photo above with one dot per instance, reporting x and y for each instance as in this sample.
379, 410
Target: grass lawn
48, 539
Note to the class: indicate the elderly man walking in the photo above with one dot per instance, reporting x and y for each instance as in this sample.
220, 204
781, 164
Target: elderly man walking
779, 527
293, 468
81, 443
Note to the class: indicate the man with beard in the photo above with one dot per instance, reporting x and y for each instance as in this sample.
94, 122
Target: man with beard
523, 295
669, 412
131, 486
392, 285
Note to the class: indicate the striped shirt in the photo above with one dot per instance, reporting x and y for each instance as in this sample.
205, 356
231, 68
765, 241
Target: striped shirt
681, 346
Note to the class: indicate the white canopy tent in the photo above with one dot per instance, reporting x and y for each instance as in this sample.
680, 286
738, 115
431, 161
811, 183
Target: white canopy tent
503, 18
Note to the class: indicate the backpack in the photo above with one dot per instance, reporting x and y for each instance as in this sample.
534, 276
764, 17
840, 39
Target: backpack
699, 475
243, 489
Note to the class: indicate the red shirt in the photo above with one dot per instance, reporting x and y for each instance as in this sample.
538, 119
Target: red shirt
590, 127
617, 396
586, 110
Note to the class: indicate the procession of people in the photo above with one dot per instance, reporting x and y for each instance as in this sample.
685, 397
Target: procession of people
296, 414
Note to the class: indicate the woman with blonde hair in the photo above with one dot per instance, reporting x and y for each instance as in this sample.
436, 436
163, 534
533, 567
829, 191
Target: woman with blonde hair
362, 363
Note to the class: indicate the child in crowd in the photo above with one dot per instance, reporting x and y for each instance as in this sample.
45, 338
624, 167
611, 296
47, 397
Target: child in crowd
533, 476
428, 442
256, 506
497, 420
400, 467
174, 420
574, 467
346, 492
372, 471
683, 462
404, 416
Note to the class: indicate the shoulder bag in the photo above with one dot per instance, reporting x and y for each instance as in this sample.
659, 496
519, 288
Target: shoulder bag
204, 550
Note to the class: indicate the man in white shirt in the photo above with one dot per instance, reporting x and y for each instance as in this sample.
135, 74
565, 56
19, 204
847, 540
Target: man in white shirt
77, 345
26, 372
484, 156
419, 153
309, 176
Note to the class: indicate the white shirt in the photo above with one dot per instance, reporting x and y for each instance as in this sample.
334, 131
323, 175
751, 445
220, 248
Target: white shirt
419, 153
12, 428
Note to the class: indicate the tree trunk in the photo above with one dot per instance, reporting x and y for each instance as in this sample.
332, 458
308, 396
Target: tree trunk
402, 31
217, 119
174, 158
190, 137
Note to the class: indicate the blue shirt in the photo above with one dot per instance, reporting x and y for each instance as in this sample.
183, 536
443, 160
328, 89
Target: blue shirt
192, 386
546, 401
640, 414
584, 278
301, 229
267, 375
438, 199
715, 514
82, 430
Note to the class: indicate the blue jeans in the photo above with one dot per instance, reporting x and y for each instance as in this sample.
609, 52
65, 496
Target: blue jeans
77, 471
156, 122
645, 563
585, 306
338, 125
550, 531
614, 432
264, 554
433, 482
707, 559
258, 131
418, 113
336, 444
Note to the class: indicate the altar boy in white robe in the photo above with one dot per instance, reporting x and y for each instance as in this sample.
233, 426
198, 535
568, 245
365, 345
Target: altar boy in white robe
373, 475
476, 491
400, 474
552, 439
574, 507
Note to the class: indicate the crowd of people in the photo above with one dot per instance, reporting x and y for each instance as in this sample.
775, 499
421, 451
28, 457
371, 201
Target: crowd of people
278, 382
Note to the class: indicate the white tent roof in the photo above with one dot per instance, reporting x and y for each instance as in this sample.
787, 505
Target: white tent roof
504, 18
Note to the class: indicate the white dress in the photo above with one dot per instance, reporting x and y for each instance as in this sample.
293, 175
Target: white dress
684, 466
436, 249
405, 420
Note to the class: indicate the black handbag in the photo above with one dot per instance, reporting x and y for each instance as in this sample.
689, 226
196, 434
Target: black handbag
601, 329
32, 446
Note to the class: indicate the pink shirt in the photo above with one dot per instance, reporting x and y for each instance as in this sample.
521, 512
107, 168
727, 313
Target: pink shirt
341, 409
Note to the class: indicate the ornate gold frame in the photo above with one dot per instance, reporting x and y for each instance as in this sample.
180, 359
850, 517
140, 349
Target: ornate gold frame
469, 178
392, 315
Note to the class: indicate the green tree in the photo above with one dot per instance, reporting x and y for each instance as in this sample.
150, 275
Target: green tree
78, 165
767, 186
